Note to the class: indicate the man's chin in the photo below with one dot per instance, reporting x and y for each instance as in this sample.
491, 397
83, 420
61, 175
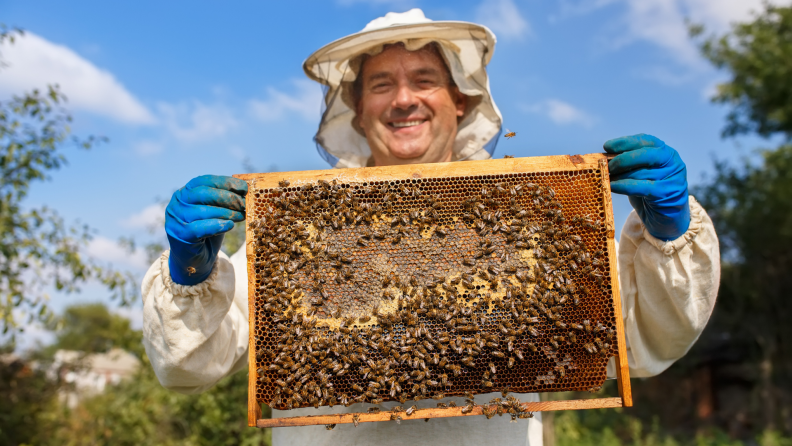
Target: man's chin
407, 152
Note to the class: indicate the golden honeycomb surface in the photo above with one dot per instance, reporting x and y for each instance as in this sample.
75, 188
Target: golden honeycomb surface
418, 288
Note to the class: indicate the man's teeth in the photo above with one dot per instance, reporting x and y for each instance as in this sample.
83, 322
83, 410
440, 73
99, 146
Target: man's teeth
407, 124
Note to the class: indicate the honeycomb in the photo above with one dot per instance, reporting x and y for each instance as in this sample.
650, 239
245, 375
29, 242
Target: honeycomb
415, 288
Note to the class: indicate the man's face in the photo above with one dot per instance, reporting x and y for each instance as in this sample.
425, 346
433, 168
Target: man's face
408, 108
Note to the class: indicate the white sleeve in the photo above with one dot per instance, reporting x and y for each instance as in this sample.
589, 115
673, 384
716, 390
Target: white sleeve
196, 335
668, 290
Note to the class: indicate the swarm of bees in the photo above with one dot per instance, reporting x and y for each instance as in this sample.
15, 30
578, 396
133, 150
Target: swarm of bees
391, 291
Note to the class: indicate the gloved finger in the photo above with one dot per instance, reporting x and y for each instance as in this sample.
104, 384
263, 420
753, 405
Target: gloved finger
188, 213
211, 197
632, 142
196, 231
665, 173
644, 158
635, 188
232, 184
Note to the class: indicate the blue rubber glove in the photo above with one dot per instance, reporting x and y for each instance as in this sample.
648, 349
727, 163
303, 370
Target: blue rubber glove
196, 220
654, 177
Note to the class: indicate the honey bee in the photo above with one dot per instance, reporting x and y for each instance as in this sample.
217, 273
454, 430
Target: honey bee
285, 183
190, 270
356, 419
331, 426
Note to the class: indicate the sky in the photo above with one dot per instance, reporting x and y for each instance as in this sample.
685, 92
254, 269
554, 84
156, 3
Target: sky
182, 89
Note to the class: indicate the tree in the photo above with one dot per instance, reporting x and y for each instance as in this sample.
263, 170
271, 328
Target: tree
92, 328
758, 56
38, 250
26, 392
139, 410
751, 206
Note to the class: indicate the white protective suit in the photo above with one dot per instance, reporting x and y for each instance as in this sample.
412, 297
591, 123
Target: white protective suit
197, 335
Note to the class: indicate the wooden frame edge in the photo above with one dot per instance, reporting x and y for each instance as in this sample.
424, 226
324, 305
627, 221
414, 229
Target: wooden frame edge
549, 163
420, 414
432, 170
254, 407
622, 366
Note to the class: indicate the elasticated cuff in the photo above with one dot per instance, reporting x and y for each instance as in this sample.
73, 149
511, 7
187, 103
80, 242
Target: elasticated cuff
672, 246
178, 290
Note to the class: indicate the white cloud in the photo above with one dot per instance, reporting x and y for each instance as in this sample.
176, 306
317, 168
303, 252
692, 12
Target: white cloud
503, 18
195, 121
306, 102
104, 249
34, 62
149, 217
662, 23
561, 113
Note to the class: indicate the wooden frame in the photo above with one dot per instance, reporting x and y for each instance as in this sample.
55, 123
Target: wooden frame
440, 170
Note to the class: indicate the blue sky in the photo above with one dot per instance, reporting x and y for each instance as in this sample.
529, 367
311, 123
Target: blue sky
179, 87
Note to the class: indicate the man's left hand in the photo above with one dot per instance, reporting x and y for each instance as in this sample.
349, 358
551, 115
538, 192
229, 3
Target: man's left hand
654, 177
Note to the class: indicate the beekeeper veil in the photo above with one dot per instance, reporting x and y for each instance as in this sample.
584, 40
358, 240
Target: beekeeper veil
466, 49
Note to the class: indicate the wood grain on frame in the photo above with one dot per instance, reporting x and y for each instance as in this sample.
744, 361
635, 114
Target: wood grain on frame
254, 407
622, 367
421, 414
434, 170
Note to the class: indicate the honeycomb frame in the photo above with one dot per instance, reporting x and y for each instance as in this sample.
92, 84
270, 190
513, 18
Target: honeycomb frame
576, 185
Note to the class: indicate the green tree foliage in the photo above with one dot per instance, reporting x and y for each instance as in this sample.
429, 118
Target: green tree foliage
747, 345
137, 411
758, 56
38, 250
141, 411
751, 207
616, 427
92, 328
25, 393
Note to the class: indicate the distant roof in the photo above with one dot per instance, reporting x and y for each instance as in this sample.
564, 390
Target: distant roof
116, 360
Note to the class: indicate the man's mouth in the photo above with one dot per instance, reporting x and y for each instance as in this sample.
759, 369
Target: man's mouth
404, 124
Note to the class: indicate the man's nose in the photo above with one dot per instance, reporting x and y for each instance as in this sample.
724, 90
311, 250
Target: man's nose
405, 98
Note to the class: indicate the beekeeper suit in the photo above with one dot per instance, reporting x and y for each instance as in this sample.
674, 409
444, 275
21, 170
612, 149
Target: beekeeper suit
195, 297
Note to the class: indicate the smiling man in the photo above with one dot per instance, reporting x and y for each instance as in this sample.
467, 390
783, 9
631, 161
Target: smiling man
408, 106
410, 90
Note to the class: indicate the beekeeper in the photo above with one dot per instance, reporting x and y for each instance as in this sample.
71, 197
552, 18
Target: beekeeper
410, 90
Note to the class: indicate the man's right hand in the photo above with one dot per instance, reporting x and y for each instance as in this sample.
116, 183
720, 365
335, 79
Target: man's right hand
196, 220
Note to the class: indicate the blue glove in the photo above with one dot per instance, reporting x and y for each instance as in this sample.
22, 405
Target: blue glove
655, 178
196, 220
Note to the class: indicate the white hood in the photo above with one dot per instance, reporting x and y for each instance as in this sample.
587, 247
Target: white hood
467, 49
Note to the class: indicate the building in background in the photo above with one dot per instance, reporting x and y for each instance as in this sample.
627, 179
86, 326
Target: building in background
87, 374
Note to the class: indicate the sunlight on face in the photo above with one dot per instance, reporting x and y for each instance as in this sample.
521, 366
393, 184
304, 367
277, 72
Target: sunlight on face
408, 108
